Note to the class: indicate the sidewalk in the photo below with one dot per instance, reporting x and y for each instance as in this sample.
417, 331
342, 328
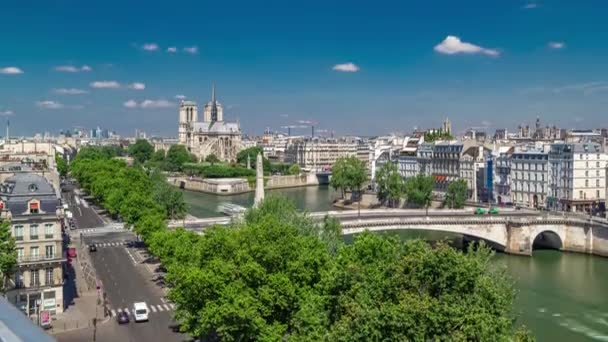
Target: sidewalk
80, 286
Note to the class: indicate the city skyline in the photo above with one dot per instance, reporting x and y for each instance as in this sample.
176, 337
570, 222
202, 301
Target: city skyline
352, 68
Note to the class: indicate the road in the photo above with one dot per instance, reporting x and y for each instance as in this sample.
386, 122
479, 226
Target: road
125, 278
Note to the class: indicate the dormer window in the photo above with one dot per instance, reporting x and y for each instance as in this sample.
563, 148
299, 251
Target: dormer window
32, 187
34, 208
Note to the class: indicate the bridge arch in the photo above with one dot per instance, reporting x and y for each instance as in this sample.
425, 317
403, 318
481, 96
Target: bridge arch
496, 236
547, 239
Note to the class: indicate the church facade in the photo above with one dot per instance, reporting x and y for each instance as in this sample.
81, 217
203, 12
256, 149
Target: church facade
212, 135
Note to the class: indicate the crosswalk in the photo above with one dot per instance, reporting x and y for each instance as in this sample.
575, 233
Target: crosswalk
110, 244
156, 308
106, 229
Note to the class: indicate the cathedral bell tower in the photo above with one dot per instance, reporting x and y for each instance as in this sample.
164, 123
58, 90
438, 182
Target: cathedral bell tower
188, 115
213, 109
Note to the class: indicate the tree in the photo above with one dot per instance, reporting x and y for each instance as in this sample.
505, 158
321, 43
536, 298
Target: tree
348, 173
294, 170
246, 283
158, 156
8, 254
177, 156
419, 190
141, 151
457, 194
382, 289
253, 152
61, 164
390, 185
212, 158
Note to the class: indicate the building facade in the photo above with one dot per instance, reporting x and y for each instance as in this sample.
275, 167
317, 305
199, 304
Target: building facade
213, 135
30, 203
578, 177
317, 154
446, 163
530, 177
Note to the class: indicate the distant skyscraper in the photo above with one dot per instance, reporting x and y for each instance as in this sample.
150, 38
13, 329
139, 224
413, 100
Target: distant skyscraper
447, 126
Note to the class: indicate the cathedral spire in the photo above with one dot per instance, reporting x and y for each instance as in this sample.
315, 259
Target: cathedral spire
213, 93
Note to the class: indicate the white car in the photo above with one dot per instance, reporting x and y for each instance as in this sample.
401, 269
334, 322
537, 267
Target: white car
140, 312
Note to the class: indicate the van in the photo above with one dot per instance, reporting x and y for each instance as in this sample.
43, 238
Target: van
140, 312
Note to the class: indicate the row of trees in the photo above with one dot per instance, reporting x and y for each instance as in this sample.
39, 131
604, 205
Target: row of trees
279, 276
172, 160
142, 199
391, 188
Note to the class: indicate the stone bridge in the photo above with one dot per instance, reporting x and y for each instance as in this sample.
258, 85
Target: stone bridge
515, 232
514, 235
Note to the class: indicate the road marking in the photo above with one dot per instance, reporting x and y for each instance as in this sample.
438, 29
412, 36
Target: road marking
160, 308
167, 307
172, 306
152, 308
131, 256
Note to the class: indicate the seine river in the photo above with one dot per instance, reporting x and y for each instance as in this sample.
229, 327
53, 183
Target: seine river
561, 296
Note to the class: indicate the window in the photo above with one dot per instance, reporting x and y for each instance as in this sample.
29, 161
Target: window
48, 276
597, 164
34, 278
597, 156
34, 253
586, 183
20, 253
580, 156
33, 232
587, 164
580, 194
48, 231
597, 183
597, 173
586, 173
18, 232
597, 194
18, 279
48, 251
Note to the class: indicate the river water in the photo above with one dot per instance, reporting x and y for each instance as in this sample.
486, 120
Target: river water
561, 296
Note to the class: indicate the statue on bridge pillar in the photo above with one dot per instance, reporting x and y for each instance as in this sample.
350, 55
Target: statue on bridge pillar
259, 181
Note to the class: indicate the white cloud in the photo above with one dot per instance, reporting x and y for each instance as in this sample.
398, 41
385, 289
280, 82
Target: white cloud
172, 49
137, 86
72, 68
11, 71
6, 112
150, 47
130, 104
530, 5
105, 84
47, 104
453, 45
149, 104
180, 97
156, 104
556, 45
193, 50
70, 91
346, 67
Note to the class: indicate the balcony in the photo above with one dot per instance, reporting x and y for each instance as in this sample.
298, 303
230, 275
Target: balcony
30, 259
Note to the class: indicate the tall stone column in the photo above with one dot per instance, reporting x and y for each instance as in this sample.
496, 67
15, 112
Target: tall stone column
259, 181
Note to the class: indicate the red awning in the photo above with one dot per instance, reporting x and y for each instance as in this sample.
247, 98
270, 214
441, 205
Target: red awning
33, 205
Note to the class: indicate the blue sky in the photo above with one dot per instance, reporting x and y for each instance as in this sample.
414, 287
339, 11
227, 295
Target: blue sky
356, 67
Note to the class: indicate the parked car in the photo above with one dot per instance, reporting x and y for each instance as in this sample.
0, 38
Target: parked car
92, 248
122, 317
493, 211
479, 211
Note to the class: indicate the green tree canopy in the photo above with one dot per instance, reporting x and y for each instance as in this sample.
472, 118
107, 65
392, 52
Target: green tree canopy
457, 194
252, 152
348, 173
390, 185
294, 169
158, 156
141, 151
177, 156
419, 190
212, 158
8, 254
61, 164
